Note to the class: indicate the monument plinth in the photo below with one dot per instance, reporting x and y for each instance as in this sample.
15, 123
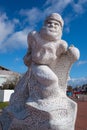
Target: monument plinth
39, 101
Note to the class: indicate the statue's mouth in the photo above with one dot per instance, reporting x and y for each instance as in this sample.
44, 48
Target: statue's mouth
51, 30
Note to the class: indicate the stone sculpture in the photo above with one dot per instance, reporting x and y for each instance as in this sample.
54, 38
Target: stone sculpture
39, 101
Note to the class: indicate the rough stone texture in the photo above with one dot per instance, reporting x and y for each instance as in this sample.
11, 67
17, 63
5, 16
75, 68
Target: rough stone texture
39, 101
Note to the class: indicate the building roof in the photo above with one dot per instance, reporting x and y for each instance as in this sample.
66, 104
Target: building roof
5, 71
3, 68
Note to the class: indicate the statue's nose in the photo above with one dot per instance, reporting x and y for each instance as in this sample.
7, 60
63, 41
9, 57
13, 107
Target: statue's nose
52, 24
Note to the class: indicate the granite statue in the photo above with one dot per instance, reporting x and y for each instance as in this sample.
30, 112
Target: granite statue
39, 101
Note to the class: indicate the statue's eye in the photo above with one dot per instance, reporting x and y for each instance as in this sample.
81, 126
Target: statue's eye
57, 24
48, 22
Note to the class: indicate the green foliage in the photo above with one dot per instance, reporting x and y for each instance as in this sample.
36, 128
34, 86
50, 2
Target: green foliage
3, 104
10, 83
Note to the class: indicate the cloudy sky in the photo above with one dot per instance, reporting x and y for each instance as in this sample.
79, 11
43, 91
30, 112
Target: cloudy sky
19, 17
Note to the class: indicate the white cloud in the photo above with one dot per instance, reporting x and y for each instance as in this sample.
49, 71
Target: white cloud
77, 81
17, 59
16, 41
6, 27
81, 62
56, 6
80, 7
59, 2
31, 16
16, 21
67, 29
9, 38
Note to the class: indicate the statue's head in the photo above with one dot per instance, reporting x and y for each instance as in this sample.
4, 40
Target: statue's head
53, 26
56, 17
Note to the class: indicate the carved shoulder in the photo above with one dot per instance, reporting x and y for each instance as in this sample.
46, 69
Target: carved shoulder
30, 37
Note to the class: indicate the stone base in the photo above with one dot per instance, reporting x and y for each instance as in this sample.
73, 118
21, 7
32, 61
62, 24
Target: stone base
57, 119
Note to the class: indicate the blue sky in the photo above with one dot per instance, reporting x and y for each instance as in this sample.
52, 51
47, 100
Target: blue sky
19, 17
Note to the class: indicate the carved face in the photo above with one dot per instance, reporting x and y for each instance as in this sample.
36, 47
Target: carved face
53, 26
52, 30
